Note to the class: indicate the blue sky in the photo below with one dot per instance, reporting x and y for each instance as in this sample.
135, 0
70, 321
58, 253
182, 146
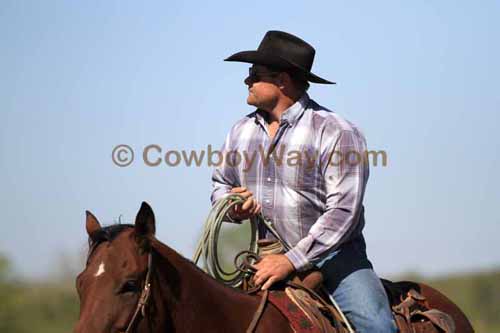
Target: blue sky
78, 78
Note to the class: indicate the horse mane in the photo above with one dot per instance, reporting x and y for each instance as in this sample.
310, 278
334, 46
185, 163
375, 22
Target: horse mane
174, 259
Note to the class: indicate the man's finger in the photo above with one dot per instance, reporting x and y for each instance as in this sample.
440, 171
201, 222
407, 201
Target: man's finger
248, 203
259, 279
269, 283
238, 189
243, 191
256, 209
246, 194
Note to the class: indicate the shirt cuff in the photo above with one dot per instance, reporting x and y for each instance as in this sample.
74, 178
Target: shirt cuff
298, 259
218, 194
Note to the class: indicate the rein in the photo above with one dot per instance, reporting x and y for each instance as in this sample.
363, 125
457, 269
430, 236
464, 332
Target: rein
143, 299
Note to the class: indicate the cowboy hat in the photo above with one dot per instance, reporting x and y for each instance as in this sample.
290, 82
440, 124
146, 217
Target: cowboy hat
279, 49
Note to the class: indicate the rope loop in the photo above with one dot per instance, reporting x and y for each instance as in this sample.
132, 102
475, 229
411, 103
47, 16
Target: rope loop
208, 244
249, 258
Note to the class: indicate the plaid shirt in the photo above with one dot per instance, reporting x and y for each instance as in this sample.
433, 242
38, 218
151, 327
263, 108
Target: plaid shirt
308, 179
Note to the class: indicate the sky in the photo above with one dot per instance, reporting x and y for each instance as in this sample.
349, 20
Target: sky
79, 78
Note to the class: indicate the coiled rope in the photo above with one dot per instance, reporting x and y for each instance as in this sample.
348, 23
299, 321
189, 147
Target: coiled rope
208, 246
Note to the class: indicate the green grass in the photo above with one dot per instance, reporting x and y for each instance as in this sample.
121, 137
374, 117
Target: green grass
477, 294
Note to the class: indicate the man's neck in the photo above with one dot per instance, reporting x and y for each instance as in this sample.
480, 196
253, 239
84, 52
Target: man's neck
274, 115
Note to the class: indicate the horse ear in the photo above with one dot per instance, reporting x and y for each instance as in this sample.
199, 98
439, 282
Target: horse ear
145, 221
91, 224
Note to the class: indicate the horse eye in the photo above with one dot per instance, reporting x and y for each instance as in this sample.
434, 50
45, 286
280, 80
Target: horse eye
129, 286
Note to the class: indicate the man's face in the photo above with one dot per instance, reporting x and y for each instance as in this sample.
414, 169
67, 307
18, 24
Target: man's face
263, 91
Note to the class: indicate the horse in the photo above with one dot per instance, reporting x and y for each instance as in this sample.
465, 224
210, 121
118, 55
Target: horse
132, 282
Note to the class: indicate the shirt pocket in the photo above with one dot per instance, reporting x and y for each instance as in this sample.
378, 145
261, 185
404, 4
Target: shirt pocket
299, 169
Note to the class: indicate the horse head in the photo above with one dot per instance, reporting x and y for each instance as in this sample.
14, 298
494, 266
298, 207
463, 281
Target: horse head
126, 263
114, 280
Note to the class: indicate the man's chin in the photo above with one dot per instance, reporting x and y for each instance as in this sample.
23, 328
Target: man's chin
251, 101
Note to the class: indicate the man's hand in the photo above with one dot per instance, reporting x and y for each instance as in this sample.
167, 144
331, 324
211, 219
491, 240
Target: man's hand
248, 208
272, 268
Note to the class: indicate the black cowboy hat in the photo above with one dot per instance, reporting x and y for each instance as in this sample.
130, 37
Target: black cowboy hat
283, 51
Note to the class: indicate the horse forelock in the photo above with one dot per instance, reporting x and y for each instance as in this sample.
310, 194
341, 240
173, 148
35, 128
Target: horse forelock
105, 234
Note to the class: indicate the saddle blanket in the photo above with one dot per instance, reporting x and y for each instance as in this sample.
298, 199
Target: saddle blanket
297, 318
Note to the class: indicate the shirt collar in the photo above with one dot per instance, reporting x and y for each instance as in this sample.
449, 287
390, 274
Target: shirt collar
290, 115
293, 113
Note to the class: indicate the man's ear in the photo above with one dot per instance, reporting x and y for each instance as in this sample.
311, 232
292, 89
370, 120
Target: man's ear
91, 223
145, 221
284, 80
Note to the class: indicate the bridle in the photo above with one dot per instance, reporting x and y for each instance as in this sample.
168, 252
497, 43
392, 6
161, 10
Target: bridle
143, 299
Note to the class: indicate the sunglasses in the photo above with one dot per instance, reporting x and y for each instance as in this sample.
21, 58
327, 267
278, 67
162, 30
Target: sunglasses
256, 75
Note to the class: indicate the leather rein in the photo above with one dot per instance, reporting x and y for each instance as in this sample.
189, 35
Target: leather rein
143, 299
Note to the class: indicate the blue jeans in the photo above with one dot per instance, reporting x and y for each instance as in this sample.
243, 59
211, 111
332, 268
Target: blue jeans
351, 281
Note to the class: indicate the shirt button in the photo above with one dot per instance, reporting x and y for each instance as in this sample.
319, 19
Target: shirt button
268, 179
267, 201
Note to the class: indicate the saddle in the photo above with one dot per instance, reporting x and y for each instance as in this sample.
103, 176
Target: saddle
412, 312
304, 301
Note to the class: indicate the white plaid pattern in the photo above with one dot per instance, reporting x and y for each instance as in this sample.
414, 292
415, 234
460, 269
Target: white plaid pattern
311, 187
